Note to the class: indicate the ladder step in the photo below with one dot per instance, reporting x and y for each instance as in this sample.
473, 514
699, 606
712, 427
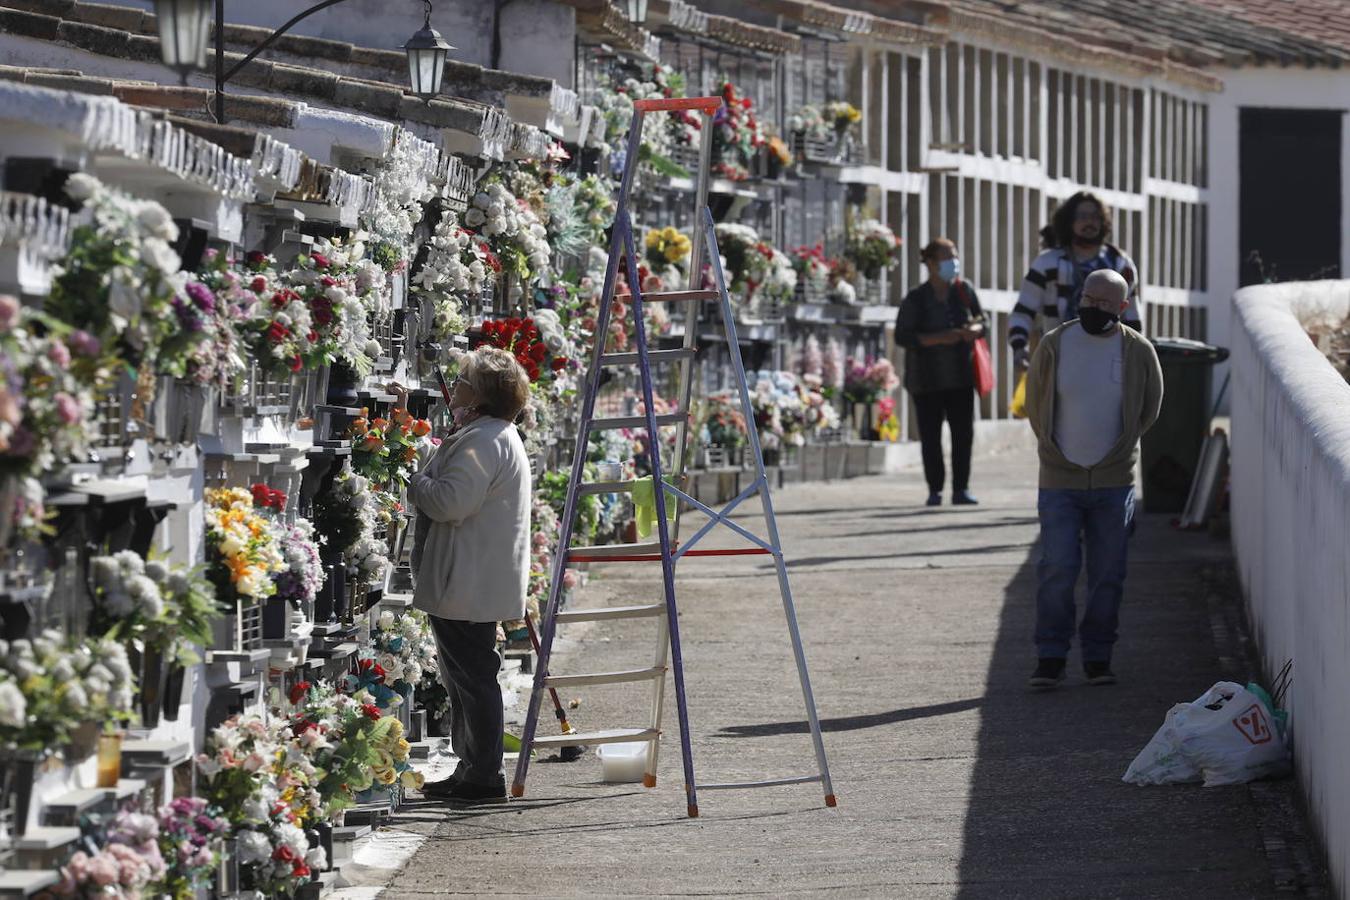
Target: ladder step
609, 736
605, 487
584, 553
679, 296
648, 674
634, 421
605, 614
631, 359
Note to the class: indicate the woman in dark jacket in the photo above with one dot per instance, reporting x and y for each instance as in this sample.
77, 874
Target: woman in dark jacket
938, 324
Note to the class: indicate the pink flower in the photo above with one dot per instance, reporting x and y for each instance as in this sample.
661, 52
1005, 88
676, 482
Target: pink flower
21, 442
103, 869
570, 578
68, 408
60, 354
84, 343
9, 312
10, 411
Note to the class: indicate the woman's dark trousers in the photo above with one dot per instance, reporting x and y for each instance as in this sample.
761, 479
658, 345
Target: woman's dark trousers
957, 408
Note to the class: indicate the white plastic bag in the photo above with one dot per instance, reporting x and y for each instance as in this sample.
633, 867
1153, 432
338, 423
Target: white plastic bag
1225, 736
1161, 762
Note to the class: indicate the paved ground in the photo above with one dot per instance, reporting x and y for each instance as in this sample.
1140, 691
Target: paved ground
953, 779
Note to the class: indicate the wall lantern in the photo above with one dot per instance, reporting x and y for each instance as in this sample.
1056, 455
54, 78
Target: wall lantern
184, 26
426, 59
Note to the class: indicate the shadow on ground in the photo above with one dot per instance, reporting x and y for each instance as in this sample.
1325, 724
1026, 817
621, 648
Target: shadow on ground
1048, 814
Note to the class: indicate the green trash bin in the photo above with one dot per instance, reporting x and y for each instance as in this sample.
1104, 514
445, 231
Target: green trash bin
1170, 450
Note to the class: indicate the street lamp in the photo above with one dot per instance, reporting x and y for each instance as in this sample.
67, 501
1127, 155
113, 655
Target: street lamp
183, 27
426, 59
637, 11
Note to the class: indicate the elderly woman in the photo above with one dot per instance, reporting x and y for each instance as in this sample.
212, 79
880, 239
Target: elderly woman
938, 324
471, 559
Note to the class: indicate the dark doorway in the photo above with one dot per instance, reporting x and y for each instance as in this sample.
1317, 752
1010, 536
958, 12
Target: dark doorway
1289, 164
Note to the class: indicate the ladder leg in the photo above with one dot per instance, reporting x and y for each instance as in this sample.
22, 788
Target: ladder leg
568, 523
658, 703
784, 587
679, 458
625, 225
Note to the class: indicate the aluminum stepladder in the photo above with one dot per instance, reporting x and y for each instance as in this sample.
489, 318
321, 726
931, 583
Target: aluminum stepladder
665, 550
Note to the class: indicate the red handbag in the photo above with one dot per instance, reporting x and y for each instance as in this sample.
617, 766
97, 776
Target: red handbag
980, 359
983, 364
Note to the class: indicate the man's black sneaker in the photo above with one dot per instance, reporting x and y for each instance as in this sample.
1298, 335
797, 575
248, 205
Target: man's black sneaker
1049, 672
964, 498
1099, 673
468, 793
934, 500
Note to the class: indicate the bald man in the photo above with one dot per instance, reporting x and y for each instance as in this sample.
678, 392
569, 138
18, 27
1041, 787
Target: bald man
1093, 388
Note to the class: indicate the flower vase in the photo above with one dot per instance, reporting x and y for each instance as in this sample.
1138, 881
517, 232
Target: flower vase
331, 601
174, 682
158, 406
83, 741
9, 496
771, 457
109, 766
342, 383
276, 619
417, 730
18, 773
153, 675
437, 726
321, 835
228, 882
199, 410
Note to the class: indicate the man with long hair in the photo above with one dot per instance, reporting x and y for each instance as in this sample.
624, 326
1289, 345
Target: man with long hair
1077, 244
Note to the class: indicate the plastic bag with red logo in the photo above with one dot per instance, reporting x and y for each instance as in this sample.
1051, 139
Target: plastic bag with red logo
1228, 735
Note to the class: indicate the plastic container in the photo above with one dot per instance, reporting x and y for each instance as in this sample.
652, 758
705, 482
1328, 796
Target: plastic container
609, 470
623, 763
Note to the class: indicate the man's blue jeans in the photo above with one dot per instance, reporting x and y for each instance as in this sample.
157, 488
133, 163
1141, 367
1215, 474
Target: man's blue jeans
1099, 521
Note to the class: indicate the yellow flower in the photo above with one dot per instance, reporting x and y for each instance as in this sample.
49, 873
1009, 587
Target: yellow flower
413, 779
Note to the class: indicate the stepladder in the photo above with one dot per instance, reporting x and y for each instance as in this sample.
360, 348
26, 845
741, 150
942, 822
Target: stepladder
665, 489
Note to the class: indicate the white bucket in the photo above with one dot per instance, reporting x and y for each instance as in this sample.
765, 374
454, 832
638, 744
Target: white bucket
622, 763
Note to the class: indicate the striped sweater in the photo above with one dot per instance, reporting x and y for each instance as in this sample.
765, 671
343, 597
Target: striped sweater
1052, 288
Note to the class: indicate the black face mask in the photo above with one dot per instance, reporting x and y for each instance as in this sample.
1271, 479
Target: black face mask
1096, 321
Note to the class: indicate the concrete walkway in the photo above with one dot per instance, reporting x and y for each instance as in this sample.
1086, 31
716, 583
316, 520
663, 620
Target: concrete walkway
953, 779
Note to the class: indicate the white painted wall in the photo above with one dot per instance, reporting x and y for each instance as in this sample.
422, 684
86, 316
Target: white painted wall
537, 34
1290, 488
1292, 88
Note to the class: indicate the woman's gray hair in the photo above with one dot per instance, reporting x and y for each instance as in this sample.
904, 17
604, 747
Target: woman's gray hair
498, 381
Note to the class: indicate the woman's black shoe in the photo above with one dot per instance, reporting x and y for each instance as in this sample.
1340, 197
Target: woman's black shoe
467, 793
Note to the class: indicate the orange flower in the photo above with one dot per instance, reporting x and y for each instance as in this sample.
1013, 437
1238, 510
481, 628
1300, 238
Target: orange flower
359, 426
305, 423
410, 454
381, 424
421, 428
365, 412
372, 443
238, 566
